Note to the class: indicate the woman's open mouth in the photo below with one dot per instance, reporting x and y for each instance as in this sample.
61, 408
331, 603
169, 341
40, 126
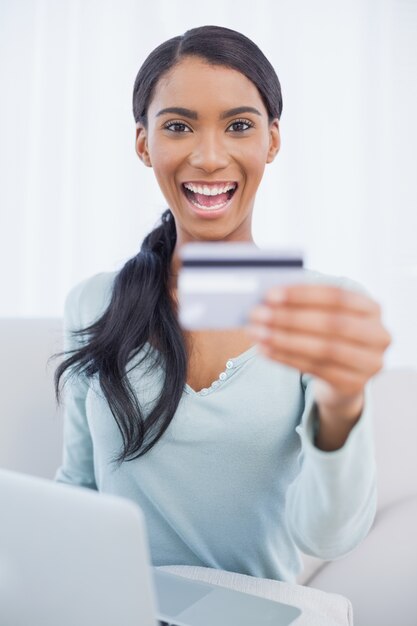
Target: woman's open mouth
205, 198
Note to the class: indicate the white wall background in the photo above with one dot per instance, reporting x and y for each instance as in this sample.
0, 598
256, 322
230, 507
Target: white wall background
76, 200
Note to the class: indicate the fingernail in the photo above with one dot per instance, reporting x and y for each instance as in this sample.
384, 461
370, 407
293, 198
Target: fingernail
259, 332
261, 314
277, 294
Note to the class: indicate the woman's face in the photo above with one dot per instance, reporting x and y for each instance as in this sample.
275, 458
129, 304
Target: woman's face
218, 153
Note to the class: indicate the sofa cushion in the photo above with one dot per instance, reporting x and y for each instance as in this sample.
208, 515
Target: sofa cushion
30, 425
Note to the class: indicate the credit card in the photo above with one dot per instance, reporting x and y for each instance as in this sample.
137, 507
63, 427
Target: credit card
220, 282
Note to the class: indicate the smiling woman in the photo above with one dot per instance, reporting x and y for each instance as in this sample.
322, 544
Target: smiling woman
242, 447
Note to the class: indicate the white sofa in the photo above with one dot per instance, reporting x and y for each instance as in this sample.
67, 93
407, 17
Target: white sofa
379, 576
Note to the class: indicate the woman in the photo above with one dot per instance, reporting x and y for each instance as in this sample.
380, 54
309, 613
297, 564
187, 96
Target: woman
238, 462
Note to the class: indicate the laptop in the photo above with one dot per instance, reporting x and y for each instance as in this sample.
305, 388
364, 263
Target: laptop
70, 556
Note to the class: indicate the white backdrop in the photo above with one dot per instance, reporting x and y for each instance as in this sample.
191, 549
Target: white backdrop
76, 200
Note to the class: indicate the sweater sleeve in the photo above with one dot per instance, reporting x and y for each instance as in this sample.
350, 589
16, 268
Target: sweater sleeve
331, 504
81, 307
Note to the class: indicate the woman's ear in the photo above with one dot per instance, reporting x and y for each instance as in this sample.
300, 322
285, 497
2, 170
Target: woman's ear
142, 144
274, 140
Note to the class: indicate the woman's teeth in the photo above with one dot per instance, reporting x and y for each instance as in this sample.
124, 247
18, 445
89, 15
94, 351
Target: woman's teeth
209, 191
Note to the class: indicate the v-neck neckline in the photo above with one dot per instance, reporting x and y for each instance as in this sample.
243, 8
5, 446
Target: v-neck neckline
231, 366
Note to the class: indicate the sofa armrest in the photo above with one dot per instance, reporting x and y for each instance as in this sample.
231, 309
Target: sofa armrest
380, 575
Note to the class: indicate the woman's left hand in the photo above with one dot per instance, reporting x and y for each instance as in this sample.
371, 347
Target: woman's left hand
332, 333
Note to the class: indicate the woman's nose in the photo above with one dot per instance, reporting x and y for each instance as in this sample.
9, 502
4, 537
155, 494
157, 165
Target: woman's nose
209, 153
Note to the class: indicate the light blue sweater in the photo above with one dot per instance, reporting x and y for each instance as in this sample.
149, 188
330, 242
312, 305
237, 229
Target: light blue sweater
236, 482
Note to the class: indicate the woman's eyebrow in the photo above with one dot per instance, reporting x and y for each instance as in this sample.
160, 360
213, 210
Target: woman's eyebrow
193, 115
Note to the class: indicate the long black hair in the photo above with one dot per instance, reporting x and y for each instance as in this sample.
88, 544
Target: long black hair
141, 309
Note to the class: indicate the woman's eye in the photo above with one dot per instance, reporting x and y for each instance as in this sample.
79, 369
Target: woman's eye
176, 127
240, 123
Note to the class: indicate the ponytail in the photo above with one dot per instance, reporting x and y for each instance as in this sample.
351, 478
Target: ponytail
140, 311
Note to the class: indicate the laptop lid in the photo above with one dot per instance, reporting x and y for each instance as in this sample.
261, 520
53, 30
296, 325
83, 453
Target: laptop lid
70, 556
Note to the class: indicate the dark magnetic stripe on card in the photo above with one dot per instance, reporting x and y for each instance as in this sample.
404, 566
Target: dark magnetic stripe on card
242, 263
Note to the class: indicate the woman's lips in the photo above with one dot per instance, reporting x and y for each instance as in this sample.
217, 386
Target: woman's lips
208, 212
